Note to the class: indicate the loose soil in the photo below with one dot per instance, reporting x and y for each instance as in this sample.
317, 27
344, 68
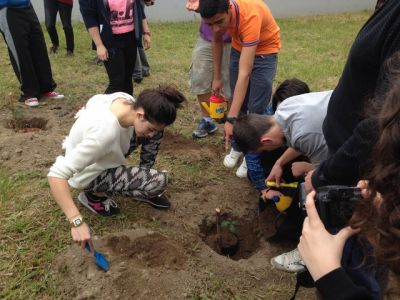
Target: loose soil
178, 259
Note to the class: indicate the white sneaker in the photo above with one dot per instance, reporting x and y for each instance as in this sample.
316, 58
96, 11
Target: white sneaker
232, 158
241, 172
289, 262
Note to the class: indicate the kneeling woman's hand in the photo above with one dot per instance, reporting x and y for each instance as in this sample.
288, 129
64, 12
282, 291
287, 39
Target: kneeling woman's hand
81, 235
320, 250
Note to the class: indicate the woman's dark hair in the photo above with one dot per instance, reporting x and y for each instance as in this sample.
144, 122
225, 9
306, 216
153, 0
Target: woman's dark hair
209, 8
160, 104
379, 221
288, 88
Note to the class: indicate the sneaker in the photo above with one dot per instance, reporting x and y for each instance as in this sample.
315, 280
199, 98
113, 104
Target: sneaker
204, 128
138, 80
241, 172
70, 53
53, 49
289, 262
232, 158
104, 206
160, 201
146, 73
53, 95
32, 102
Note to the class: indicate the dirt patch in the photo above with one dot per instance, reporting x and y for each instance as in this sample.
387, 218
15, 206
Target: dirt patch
178, 146
143, 249
237, 238
173, 260
27, 125
31, 138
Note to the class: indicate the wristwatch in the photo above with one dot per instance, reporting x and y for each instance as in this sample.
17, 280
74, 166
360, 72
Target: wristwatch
76, 221
231, 120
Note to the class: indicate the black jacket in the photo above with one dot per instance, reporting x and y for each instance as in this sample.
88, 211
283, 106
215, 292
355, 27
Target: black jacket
349, 134
96, 14
336, 285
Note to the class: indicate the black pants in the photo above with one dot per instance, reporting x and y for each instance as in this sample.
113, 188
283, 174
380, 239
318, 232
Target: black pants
27, 49
120, 63
51, 7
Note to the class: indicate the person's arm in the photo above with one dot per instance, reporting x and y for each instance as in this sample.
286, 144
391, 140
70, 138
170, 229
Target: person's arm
344, 166
320, 250
61, 193
301, 168
101, 50
89, 11
149, 151
217, 49
337, 285
246, 62
146, 34
87, 152
277, 170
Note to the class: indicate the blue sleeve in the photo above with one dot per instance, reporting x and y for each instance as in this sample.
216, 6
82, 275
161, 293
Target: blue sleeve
255, 170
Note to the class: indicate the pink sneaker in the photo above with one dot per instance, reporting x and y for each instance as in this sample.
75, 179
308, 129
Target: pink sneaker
53, 95
32, 102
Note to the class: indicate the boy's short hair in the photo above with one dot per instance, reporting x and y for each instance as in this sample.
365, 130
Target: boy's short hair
209, 8
288, 88
248, 130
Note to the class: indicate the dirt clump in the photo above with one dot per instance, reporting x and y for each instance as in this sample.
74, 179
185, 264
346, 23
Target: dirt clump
152, 250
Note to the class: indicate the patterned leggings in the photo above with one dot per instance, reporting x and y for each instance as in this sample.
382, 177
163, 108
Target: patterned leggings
129, 181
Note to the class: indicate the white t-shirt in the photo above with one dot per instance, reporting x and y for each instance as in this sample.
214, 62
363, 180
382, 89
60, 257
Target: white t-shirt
96, 142
301, 118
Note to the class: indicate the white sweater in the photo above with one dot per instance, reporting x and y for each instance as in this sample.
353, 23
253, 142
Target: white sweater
95, 143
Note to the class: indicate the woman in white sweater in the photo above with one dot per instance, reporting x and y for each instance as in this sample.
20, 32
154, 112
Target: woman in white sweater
106, 131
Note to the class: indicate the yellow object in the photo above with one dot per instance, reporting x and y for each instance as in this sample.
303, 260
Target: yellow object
283, 203
293, 185
217, 107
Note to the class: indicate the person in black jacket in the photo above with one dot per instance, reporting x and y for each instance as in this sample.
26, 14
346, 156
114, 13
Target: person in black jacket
349, 133
377, 217
112, 29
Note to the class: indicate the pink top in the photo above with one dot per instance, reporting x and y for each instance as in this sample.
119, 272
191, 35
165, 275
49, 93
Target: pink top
121, 15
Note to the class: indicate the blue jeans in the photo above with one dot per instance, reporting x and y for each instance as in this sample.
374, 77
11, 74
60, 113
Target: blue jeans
259, 90
258, 96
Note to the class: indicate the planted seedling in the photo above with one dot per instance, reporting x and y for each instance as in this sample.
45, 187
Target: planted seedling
226, 240
230, 225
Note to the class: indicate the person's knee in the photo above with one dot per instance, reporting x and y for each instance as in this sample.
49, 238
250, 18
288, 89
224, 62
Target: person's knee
161, 180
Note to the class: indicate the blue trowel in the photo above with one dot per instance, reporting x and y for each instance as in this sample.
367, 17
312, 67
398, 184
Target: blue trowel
101, 261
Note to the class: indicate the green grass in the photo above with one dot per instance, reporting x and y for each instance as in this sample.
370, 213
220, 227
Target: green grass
33, 231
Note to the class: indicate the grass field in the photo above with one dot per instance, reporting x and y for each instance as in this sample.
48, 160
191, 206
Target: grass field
314, 49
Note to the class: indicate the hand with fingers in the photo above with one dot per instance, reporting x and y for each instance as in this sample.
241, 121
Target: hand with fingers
81, 235
276, 174
216, 87
308, 182
301, 168
320, 250
366, 192
268, 194
147, 41
102, 53
228, 133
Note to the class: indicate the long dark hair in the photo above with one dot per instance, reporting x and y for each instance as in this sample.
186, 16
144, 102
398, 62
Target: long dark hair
379, 220
160, 104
